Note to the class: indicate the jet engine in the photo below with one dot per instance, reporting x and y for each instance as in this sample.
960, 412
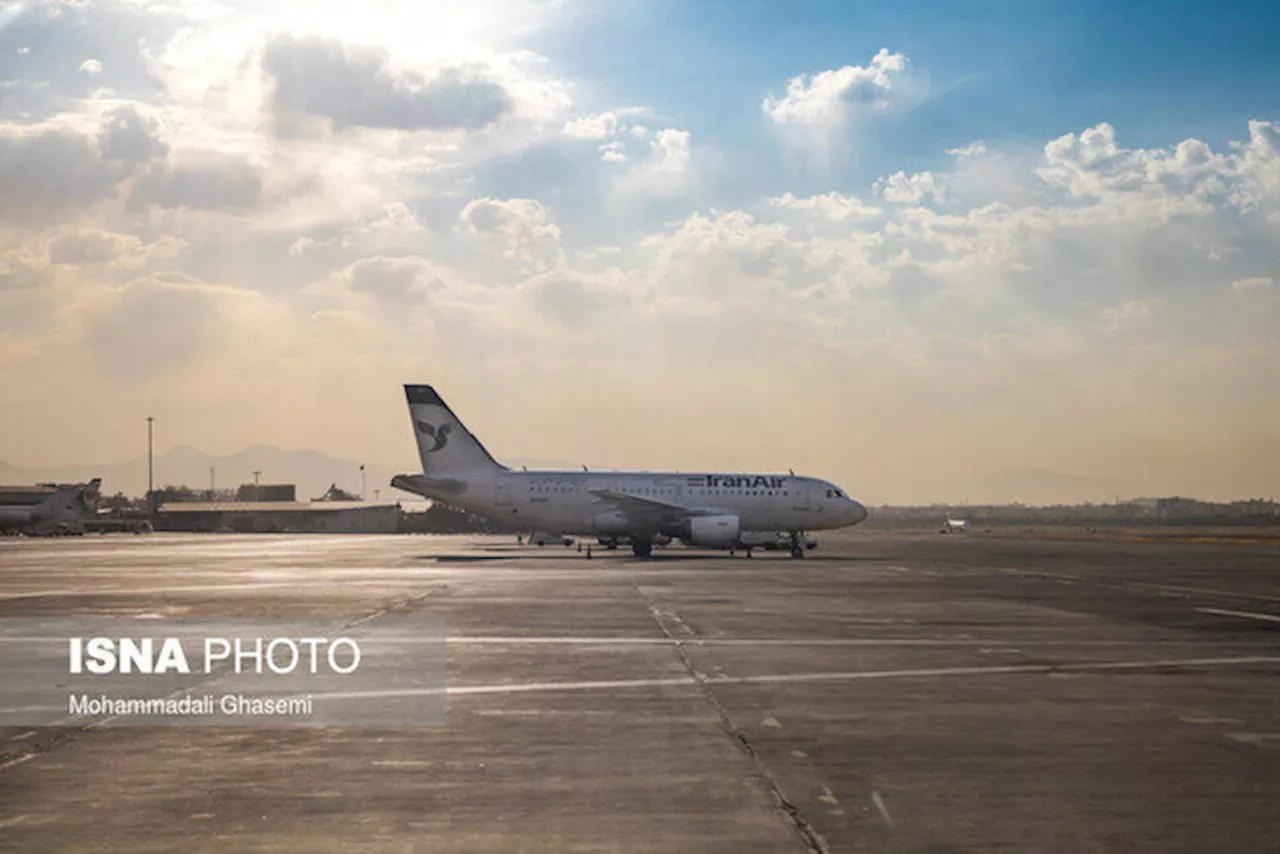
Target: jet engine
718, 532
611, 523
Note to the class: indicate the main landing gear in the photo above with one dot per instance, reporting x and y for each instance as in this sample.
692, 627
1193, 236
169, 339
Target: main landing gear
797, 544
641, 548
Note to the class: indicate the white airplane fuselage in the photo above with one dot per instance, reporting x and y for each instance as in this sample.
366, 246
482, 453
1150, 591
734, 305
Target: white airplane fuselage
571, 501
717, 510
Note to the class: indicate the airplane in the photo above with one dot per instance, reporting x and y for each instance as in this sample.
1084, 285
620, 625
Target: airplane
710, 510
63, 510
954, 526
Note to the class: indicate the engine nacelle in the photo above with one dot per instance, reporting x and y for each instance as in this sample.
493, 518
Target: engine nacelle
610, 523
717, 532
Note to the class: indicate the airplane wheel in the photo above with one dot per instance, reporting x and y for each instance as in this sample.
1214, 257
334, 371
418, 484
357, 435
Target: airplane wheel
641, 549
797, 552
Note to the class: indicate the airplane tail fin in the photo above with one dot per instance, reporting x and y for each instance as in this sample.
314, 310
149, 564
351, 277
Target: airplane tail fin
92, 492
59, 503
445, 446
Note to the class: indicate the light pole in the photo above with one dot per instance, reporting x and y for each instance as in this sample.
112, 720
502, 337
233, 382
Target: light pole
151, 443
257, 490
362, 483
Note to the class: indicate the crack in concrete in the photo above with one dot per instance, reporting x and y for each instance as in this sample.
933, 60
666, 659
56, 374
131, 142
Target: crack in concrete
807, 833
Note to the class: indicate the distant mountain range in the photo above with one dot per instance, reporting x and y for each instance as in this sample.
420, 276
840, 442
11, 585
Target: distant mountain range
1045, 487
312, 471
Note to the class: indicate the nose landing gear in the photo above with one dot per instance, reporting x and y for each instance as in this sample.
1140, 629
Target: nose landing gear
797, 544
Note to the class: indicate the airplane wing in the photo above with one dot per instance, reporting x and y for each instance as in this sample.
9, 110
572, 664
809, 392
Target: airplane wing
647, 511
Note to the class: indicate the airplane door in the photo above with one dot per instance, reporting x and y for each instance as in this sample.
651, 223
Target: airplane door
800, 496
502, 496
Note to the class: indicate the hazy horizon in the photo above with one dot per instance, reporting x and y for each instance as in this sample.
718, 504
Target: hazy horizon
860, 243
313, 471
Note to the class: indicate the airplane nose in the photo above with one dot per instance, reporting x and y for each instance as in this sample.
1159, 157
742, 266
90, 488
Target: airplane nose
857, 513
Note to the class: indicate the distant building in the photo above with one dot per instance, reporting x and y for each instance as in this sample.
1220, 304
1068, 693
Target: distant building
264, 517
267, 492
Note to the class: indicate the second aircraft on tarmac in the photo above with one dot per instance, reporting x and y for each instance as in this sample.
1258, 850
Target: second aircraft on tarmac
723, 511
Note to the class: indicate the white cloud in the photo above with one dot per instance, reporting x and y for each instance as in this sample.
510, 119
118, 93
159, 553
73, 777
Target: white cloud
129, 136
977, 148
668, 170
1258, 166
611, 152
98, 246
202, 181
831, 205
1094, 165
704, 252
599, 126
523, 225
900, 188
1253, 283
91, 66
52, 173
672, 149
353, 87
1114, 318
826, 97
403, 280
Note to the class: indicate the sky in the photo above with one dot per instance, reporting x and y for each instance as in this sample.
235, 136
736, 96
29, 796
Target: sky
912, 250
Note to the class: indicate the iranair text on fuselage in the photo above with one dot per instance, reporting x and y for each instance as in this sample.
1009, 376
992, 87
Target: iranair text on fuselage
738, 481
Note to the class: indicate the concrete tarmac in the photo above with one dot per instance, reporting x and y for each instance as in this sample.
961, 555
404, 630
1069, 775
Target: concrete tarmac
892, 692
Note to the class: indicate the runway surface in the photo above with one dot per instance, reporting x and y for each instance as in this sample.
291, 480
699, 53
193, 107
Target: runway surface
892, 692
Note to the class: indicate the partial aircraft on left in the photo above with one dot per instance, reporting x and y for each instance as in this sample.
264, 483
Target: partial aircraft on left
62, 510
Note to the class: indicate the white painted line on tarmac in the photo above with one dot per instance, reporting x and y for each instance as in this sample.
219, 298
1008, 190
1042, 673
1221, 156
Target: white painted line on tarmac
517, 640
1248, 615
1140, 586
1202, 591
212, 588
1257, 739
882, 809
17, 760
847, 676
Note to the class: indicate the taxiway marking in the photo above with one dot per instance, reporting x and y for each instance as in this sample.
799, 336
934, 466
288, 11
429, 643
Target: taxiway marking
844, 676
1248, 615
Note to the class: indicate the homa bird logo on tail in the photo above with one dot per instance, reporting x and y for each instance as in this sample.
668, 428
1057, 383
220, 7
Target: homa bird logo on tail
439, 434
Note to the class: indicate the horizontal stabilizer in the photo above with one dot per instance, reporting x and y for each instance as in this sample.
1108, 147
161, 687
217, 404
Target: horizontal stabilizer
429, 487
